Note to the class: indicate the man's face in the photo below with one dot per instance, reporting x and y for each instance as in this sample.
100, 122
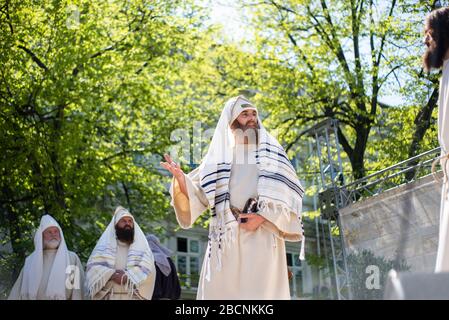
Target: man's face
126, 223
51, 238
124, 229
247, 119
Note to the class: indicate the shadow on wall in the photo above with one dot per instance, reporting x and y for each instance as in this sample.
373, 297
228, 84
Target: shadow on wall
368, 274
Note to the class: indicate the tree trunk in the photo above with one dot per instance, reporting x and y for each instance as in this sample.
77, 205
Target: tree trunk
356, 154
422, 122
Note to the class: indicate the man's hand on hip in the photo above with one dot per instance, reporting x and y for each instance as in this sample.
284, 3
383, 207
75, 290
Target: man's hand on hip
253, 221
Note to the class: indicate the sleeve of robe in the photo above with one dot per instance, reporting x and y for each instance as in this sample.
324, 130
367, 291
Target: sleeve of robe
15, 291
77, 294
188, 209
286, 228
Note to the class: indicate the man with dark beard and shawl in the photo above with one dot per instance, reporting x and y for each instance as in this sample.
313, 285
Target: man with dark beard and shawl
436, 57
121, 266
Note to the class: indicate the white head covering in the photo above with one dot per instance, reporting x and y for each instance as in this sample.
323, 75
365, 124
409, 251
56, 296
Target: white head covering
34, 266
240, 105
120, 213
221, 146
278, 185
101, 263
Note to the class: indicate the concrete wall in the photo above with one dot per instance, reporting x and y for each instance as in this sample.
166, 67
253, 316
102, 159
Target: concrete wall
377, 222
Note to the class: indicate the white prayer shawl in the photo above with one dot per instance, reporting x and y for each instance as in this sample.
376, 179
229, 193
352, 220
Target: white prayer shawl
101, 263
442, 263
33, 268
278, 186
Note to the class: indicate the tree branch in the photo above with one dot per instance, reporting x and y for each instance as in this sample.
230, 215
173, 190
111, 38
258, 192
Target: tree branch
344, 142
33, 57
355, 23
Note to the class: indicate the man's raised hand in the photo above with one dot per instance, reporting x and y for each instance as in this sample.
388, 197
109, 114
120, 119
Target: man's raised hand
176, 171
172, 166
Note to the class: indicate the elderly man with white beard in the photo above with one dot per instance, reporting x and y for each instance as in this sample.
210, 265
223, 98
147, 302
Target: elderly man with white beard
51, 272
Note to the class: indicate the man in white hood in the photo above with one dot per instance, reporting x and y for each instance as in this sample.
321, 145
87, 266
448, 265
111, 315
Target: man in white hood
121, 266
51, 272
245, 256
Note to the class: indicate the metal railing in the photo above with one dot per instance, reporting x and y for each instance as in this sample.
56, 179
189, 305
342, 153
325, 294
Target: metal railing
403, 172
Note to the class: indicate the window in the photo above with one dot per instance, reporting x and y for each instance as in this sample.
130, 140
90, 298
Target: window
289, 259
296, 260
182, 245
188, 261
194, 246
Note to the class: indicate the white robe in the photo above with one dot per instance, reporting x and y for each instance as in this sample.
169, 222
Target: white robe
48, 259
442, 263
255, 267
114, 291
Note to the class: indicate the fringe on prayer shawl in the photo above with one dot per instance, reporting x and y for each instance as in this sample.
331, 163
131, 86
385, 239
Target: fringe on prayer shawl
224, 234
34, 297
264, 205
97, 285
129, 286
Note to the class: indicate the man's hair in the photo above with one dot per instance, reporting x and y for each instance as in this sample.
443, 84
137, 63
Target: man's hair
437, 22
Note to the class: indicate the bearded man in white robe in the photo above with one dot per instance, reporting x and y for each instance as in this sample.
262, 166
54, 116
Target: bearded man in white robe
121, 266
51, 272
245, 256
436, 57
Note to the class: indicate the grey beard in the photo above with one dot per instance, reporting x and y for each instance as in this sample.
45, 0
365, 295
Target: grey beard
51, 244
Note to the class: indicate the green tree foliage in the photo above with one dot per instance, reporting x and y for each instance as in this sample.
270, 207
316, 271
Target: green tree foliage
341, 59
86, 110
92, 93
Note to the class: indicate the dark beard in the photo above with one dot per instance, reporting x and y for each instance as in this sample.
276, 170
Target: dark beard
125, 235
433, 57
